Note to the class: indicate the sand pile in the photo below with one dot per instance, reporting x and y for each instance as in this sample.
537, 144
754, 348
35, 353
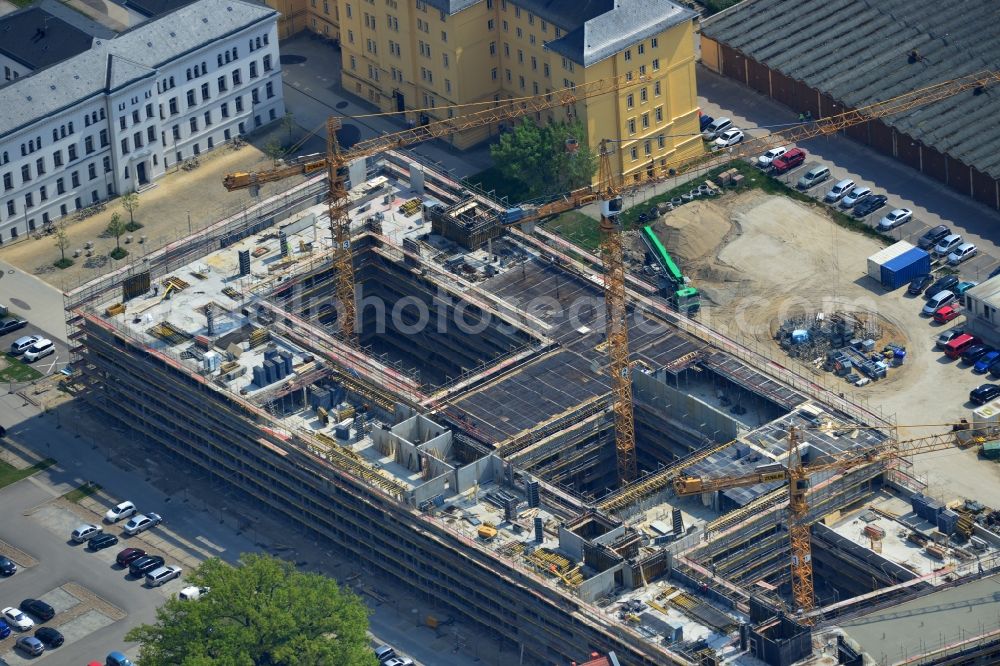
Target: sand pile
692, 232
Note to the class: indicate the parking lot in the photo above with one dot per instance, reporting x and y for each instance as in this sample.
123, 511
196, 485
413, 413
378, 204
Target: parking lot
47, 365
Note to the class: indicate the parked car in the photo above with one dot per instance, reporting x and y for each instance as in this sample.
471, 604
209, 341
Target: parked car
30, 645
957, 345
895, 218
788, 161
39, 609
933, 236
7, 566
4, 629
704, 120
17, 619
145, 564
120, 511
946, 282
730, 137
919, 283
764, 161
839, 190
946, 313
40, 349
398, 661
85, 532
974, 353
141, 523
11, 324
963, 287
963, 252
384, 653
49, 636
128, 556
23, 343
102, 541
715, 128
948, 336
813, 177
162, 575
193, 593
984, 393
854, 197
870, 205
947, 244
937, 300
117, 659
985, 362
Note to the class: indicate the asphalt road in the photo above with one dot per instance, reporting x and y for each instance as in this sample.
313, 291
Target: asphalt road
30, 298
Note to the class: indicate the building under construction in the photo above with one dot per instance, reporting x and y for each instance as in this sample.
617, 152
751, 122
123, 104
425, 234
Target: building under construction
465, 444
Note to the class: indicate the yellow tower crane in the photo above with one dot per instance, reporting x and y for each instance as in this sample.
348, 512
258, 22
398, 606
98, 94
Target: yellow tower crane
336, 160
797, 475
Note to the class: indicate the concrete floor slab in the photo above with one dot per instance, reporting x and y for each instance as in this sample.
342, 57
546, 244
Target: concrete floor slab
60, 599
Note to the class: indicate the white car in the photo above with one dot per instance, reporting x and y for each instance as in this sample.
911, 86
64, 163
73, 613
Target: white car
17, 619
961, 253
85, 532
40, 349
141, 523
193, 593
120, 511
854, 196
764, 161
895, 218
730, 137
158, 577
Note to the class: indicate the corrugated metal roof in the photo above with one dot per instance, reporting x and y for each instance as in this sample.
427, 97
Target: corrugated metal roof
905, 259
857, 51
987, 292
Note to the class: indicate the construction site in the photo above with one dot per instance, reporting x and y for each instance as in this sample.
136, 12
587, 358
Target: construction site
526, 433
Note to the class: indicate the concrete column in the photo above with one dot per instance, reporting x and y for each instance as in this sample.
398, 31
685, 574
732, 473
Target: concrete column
356, 172
417, 178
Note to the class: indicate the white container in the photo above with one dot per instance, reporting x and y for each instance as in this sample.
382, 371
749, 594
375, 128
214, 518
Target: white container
876, 261
988, 414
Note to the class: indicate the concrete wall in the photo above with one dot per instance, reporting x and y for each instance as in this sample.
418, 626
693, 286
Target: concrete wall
597, 586
678, 405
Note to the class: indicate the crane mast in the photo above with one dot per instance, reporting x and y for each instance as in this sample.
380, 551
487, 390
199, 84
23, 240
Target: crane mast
612, 254
340, 228
798, 529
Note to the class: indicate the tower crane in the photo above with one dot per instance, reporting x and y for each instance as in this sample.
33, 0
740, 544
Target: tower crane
796, 474
336, 160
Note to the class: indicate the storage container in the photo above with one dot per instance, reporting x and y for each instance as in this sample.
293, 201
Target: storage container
900, 270
880, 258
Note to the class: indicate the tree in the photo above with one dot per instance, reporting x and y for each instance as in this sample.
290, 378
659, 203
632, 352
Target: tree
130, 202
274, 151
62, 242
537, 157
261, 612
116, 227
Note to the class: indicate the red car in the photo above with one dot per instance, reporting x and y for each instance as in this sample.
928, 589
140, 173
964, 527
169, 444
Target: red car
128, 556
789, 160
946, 313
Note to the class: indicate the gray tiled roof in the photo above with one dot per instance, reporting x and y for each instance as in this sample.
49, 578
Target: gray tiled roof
857, 52
152, 8
450, 7
630, 21
36, 38
143, 48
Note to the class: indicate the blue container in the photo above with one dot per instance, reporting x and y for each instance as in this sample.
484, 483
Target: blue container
259, 378
947, 522
270, 375
902, 269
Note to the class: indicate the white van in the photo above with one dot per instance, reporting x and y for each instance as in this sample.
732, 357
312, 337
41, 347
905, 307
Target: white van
40, 349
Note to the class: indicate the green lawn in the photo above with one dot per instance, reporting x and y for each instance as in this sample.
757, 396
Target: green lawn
492, 179
17, 371
22, 3
10, 474
80, 492
577, 228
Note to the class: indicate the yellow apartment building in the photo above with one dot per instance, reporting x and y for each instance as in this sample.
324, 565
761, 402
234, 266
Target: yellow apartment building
421, 56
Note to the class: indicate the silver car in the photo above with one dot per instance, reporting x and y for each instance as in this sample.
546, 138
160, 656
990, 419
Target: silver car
22, 344
141, 523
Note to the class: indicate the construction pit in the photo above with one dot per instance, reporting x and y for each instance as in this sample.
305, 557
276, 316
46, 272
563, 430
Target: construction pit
471, 453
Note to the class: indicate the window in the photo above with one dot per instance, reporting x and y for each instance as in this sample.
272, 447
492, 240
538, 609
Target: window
634, 153
92, 171
631, 125
208, 118
520, 56
519, 33
661, 141
270, 88
94, 196
55, 134
642, 70
137, 140
29, 200
444, 60
239, 106
255, 96
88, 145
347, 8
656, 64
8, 182
267, 63
444, 36
125, 146
225, 110
26, 173
534, 63
271, 114
222, 85
218, 59
654, 42
493, 48
43, 194
175, 132
253, 69
237, 78
74, 179
506, 50
173, 106
493, 74
61, 186
194, 124
507, 74
104, 138
491, 24
190, 98
643, 95
520, 82
204, 92
135, 116
629, 101
107, 164
71, 149
628, 56
545, 69
656, 88
40, 165
659, 114
11, 207
122, 122
151, 134
641, 49
645, 120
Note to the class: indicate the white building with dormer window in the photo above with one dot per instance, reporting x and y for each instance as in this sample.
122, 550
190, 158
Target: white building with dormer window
114, 118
